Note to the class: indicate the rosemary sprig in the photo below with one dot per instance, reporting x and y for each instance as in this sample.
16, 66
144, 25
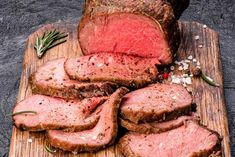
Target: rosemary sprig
21, 112
50, 150
198, 72
49, 40
208, 80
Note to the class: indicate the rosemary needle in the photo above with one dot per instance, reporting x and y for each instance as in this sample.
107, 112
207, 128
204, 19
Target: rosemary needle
49, 40
209, 80
50, 150
22, 112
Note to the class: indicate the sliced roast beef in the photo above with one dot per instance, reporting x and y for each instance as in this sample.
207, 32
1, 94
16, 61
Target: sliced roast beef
102, 135
156, 103
51, 79
56, 113
156, 127
140, 28
189, 140
118, 68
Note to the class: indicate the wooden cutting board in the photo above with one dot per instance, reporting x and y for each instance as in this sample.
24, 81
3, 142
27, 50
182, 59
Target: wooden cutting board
210, 100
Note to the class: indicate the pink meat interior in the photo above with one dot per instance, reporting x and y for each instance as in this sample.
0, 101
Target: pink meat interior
181, 142
127, 33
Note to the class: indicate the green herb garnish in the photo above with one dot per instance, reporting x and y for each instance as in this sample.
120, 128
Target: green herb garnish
22, 112
208, 80
50, 150
198, 72
49, 40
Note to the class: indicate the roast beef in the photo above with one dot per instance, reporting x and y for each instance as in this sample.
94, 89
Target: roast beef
102, 135
156, 103
189, 140
156, 127
56, 113
118, 68
51, 79
150, 6
140, 28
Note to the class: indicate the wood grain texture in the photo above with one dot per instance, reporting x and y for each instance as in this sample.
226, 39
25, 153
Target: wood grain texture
210, 100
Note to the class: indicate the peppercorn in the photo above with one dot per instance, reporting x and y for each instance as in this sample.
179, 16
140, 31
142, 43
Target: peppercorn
196, 71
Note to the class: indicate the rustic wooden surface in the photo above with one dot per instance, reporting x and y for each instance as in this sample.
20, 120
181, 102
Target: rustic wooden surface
210, 100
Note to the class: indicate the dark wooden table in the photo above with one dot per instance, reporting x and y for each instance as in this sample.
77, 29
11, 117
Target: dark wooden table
19, 18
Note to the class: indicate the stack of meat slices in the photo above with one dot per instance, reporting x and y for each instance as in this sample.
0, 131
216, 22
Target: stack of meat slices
188, 140
51, 79
77, 99
161, 123
80, 110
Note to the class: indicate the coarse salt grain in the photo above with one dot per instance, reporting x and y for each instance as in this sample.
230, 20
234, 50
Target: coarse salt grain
194, 60
177, 63
174, 97
94, 137
175, 80
196, 37
180, 68
191, 75
188, 80
100, 65
187, 61
198, 63
198, 67
200, 46
204, 26
30, 140
190, 57
185, 66
185, 75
